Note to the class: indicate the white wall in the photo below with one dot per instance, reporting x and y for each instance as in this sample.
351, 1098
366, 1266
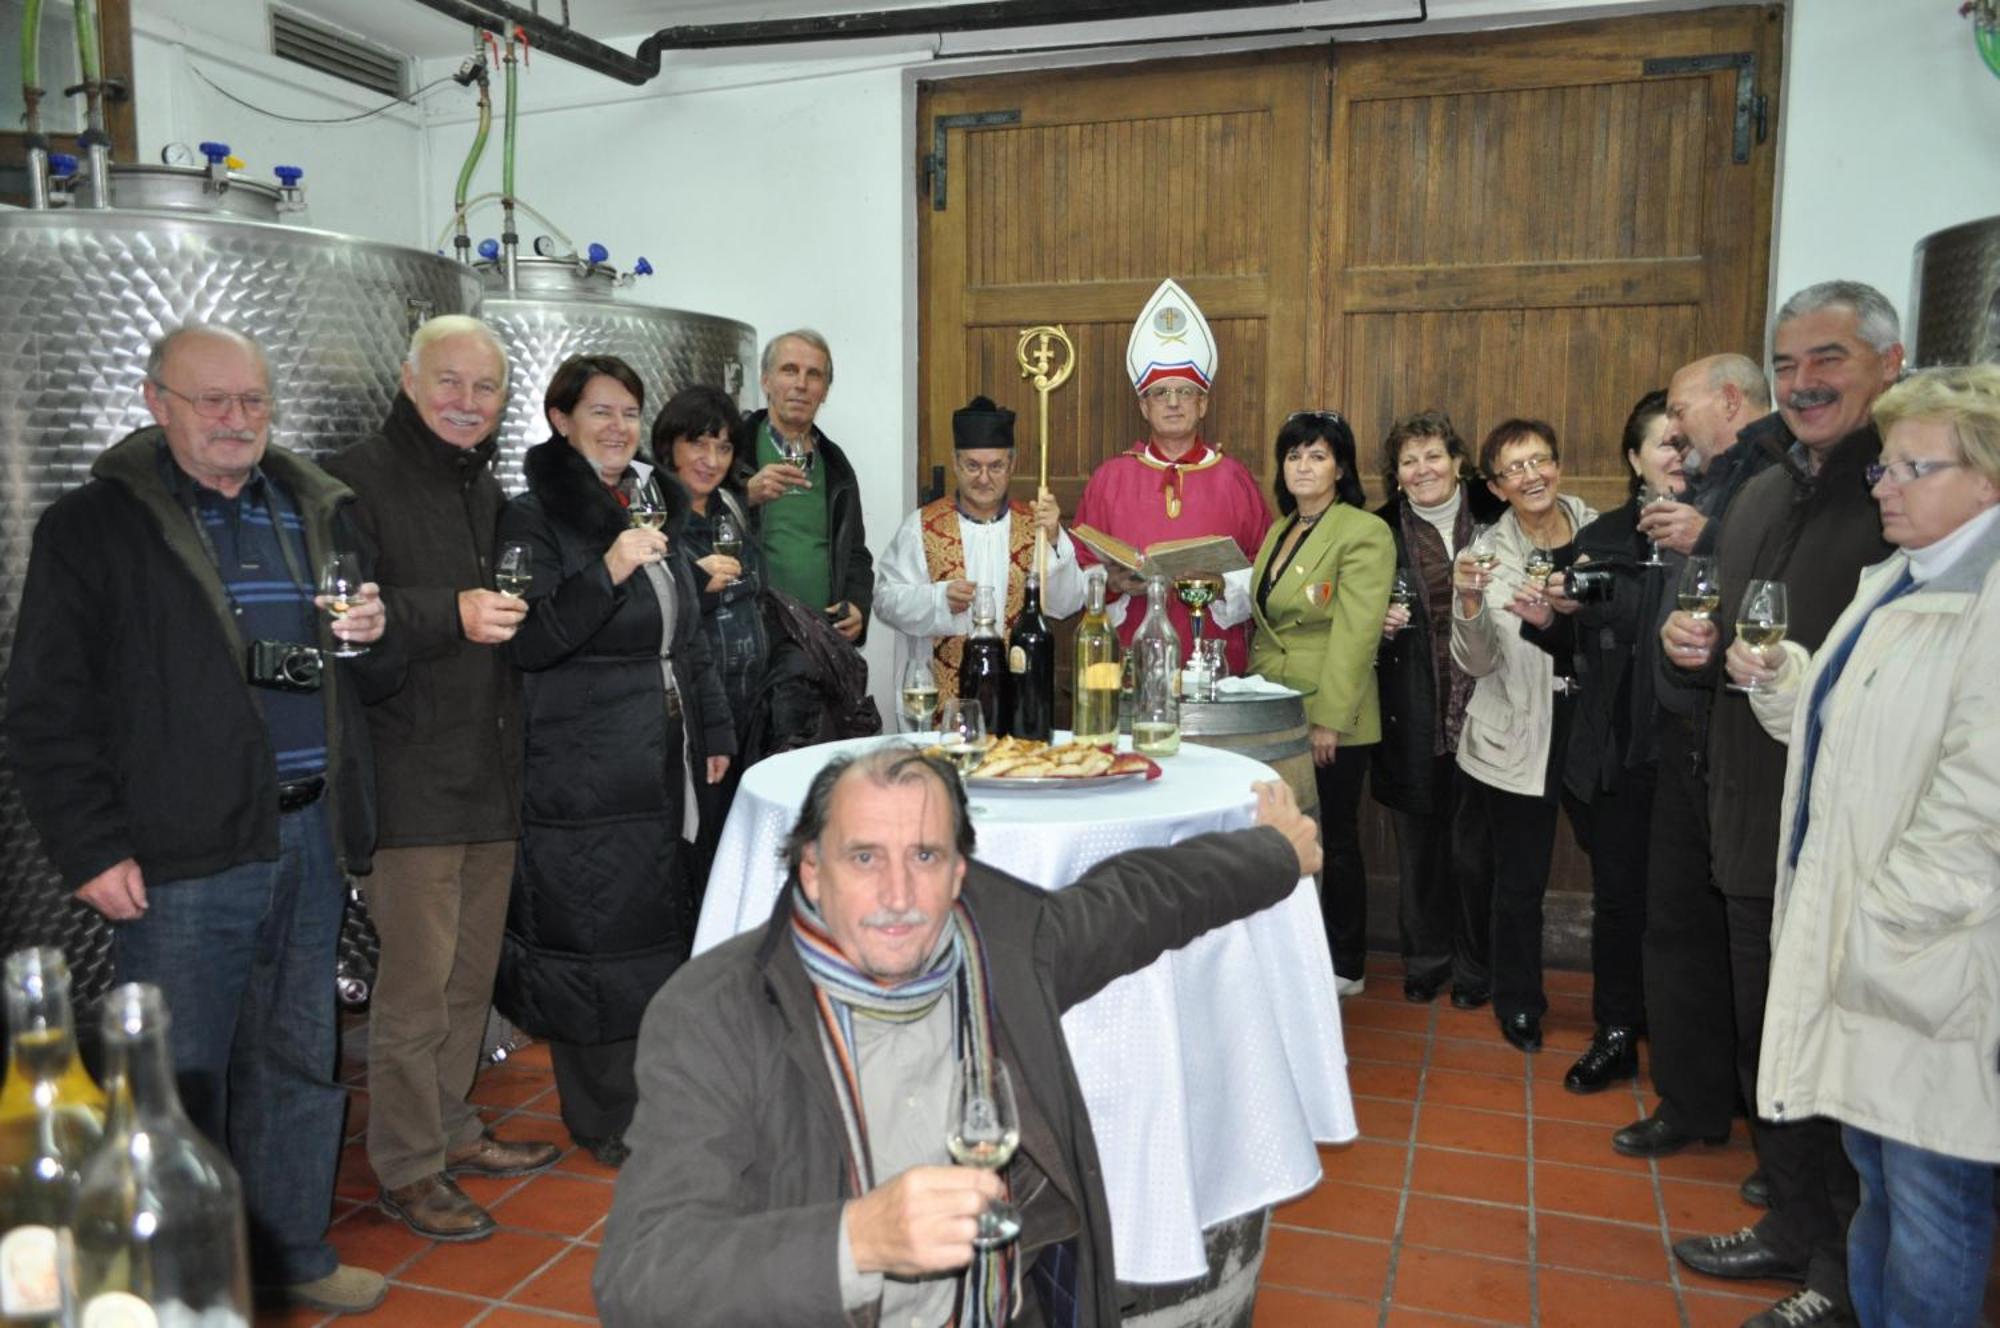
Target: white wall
1891, 130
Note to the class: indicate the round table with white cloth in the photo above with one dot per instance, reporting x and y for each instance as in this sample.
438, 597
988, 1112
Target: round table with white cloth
1208, 1074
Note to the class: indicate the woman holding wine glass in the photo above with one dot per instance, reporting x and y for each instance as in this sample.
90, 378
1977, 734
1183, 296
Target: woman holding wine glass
1611, 761
625, 718
1436, 506
1321, 584
1884, 1004
1517, 718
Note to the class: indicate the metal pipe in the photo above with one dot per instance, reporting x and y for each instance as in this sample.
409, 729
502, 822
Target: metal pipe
96, 143
462, 243
644, 64
32, 136
510, 239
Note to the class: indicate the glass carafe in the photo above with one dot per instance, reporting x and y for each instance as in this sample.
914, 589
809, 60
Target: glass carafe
1156, 669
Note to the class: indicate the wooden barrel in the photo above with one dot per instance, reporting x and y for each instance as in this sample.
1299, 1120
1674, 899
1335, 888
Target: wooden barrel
1226, 1298
1271, 729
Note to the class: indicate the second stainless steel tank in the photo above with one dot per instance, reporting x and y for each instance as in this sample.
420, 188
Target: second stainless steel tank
1955, 295
565, 307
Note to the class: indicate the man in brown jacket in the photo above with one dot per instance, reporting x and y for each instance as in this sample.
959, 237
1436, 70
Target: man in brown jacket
1811, 524
447, 773
788, 1156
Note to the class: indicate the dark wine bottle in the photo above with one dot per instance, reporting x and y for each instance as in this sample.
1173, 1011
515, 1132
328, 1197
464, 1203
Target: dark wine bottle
982, 674
1031, 669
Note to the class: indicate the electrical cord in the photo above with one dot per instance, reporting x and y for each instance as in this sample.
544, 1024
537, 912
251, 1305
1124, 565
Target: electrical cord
409, 99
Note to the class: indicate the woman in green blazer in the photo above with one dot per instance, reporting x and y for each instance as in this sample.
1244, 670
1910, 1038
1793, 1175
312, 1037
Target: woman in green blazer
1320, 587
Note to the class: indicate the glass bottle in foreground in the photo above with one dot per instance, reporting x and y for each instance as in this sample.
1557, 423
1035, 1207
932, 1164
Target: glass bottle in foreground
159, 1224
1098, 679
1031, 668
982, 672
1156, 703
51, 1117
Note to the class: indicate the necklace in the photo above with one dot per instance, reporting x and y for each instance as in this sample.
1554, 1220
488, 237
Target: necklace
1308, 522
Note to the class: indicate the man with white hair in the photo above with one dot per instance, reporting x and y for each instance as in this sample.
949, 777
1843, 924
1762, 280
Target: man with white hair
447, 775
1810, 523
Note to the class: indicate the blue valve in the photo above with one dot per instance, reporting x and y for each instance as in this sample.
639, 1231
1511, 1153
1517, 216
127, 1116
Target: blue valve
62, 165
217, 153
597, 253
489, 248
288, 176
642, 268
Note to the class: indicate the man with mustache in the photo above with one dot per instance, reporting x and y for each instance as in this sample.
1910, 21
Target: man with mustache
195, 761
945, 550
447, 776
808, 515
1811, 523
788, 1156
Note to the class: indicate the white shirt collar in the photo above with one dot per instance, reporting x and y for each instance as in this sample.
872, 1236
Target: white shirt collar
1937, 557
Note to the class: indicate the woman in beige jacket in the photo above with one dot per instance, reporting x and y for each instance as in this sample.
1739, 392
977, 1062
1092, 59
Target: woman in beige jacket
1518, 715
1884, 1004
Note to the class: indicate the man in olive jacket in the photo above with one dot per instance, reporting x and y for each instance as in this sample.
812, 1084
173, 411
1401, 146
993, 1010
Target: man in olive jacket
740, 1203
448, 776
1812, 524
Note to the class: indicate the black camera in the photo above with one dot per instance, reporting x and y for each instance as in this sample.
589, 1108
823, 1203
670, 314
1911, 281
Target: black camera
285, 666
1590, 585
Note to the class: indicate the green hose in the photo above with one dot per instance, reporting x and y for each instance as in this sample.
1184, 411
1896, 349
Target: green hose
507, 142
31, 54
88, 51
472, 158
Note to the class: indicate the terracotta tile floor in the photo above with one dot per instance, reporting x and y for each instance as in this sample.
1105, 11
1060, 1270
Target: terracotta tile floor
1479, 1193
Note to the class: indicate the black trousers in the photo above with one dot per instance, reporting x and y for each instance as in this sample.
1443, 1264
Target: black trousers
1690, 994
1445, 899
597, 1086
1344, 897
1616, 829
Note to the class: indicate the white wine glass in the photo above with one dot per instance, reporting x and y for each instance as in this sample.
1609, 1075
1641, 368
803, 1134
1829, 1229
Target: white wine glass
1402, 593
962, 733
919, 696
514, 571
646, 511
339, 586
983, 1130
798, 456
1700, 593
728, 540
1539, 567
1652, 497
1761, 621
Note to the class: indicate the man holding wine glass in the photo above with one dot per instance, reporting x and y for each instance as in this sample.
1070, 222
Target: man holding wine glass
447, 774
804, 1090
1810, 523
196, 767
804, 498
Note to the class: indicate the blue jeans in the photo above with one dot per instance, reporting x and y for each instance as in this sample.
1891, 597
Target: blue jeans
1918, 1247
245, 958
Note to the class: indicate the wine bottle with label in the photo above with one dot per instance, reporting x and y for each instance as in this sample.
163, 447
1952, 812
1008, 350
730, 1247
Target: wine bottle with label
1098, 677
51, 1117
1031, 668
982, 673
159, 1221
1156, 672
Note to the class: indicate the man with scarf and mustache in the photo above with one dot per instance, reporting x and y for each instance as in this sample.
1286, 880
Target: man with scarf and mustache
447, 774
1811, 523
788, 1156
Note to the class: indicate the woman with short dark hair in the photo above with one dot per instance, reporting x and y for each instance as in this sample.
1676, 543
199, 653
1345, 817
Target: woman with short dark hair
625, 718
1320, 583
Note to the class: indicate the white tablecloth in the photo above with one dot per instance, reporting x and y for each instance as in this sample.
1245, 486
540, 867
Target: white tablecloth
1208, 1074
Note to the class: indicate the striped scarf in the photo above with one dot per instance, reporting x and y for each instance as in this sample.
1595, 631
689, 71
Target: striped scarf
957, 967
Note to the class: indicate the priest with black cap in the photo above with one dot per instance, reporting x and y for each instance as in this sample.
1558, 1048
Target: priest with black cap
926, 580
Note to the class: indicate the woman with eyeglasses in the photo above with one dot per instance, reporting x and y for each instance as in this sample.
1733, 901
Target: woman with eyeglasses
1320, 584
625, 717
1517, 718
1883, 1010
1444, 881
1611, 761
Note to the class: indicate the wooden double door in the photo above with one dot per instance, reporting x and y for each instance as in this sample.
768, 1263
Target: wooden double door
1538, 222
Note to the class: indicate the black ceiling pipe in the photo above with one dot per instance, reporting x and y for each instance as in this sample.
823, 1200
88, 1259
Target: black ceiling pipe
641, 67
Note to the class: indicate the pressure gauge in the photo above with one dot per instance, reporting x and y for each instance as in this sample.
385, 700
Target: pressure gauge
544, 247
177, 154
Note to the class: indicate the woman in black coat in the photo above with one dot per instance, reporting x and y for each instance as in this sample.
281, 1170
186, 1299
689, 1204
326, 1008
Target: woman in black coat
1444, 907
624, 717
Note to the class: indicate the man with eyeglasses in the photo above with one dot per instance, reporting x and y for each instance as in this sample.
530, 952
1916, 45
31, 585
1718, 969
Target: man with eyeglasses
1174, 484
1811, 523
950, 547
447, 776
194, 758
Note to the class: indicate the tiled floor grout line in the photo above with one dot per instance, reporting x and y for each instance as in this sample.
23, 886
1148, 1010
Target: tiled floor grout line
1409, 1171
1534, 1213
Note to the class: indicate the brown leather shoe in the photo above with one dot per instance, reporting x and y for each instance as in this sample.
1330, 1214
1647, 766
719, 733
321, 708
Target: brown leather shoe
436, 1207
500, 1157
